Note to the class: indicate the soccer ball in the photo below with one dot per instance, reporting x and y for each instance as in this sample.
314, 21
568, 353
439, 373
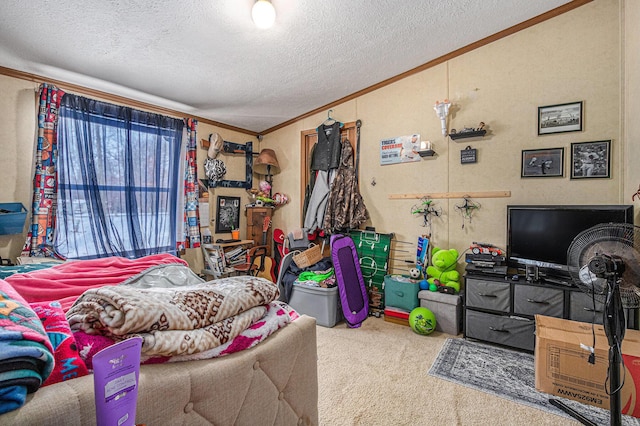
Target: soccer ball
414, 273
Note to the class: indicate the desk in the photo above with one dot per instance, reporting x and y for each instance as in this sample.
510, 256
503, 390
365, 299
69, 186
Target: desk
216, 257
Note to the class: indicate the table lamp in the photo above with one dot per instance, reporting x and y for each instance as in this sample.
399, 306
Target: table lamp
267, 164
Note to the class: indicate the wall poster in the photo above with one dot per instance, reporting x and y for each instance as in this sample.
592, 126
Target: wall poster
402, 149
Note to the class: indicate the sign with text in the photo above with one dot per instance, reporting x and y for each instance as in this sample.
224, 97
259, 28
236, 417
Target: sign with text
402, 149
468, 155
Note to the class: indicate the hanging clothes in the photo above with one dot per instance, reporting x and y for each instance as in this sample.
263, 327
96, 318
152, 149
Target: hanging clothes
325, 160
345, 207
314, 215
326, 153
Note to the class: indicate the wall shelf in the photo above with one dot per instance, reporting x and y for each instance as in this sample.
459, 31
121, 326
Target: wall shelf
482, 194
427, 153
465, 135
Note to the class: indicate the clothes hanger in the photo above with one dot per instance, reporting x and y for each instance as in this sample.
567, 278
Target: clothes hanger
329, 121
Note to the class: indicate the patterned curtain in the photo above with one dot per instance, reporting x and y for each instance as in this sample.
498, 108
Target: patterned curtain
45, 183
191, 231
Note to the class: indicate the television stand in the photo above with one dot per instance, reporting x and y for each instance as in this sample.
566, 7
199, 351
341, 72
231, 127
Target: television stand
502, 310
534, 275
556, 280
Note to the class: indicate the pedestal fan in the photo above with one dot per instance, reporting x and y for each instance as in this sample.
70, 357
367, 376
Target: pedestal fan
604, 262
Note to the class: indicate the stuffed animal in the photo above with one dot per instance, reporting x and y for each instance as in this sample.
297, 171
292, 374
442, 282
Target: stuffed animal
443, 270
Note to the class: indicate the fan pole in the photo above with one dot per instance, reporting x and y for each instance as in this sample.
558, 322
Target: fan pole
614, 327
615, 409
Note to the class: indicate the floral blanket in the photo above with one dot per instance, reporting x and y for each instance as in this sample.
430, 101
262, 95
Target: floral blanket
176, 320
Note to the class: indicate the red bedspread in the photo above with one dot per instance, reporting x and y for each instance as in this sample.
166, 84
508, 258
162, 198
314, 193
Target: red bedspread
67, 281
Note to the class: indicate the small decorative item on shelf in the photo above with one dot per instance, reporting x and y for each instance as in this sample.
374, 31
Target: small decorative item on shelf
280, 199
235, 234
469, 132
426, 149
260, 197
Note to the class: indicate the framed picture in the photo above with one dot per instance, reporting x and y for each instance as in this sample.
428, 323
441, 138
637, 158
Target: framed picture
560, 118
227, 214
591, 159
543, 162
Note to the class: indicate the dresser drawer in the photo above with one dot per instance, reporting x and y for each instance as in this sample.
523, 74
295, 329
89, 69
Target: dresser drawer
503, 330
490, 295
534, 300
581, 308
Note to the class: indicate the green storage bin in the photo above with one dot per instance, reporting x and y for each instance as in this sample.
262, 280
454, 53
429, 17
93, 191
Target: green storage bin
401, 292
12, 217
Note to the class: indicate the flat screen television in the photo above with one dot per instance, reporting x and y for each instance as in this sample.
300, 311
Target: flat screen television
539, 236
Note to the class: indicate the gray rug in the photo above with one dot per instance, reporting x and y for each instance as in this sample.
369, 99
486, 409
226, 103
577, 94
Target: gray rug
505, 373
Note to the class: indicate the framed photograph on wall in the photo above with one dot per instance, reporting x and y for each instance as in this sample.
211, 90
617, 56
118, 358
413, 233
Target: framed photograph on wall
227, 213
591, 160
543, 162
560, 118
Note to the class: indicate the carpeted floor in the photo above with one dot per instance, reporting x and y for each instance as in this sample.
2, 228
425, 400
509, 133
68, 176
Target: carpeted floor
378, 375
505, 373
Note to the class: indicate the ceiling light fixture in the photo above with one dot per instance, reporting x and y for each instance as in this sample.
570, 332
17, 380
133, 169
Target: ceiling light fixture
263, 14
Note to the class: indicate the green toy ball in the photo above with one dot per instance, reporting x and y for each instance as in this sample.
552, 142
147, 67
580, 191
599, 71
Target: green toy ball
422, 321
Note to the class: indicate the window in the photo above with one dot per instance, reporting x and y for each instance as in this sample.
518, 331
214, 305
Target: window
119, 180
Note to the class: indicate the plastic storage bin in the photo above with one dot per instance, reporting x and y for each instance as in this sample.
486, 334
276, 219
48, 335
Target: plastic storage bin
321, 303
12, 217
401, 292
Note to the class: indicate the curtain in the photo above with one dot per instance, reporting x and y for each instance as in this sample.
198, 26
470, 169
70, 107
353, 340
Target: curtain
118, 180
39, 240
190, 229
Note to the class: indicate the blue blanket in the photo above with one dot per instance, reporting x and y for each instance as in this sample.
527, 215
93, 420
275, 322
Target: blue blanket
26, 354
7, 271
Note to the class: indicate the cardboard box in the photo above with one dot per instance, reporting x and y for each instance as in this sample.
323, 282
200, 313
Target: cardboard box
562, 367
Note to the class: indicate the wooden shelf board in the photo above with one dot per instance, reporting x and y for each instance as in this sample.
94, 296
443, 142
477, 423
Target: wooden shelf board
482, 194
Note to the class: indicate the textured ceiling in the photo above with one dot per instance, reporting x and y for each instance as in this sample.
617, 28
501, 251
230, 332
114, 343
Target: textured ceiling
206, 58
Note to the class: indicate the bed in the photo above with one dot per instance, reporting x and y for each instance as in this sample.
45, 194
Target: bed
273, 382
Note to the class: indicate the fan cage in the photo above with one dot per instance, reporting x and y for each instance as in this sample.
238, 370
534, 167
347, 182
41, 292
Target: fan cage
620, 241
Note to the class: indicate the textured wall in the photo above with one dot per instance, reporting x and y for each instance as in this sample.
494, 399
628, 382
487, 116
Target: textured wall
572, 57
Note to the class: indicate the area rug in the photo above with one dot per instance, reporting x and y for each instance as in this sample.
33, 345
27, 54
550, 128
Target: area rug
505, 373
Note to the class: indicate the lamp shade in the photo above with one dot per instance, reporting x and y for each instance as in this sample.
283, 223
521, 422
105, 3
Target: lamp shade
267, 157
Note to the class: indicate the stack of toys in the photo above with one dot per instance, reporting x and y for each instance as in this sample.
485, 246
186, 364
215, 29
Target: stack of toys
486, 258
